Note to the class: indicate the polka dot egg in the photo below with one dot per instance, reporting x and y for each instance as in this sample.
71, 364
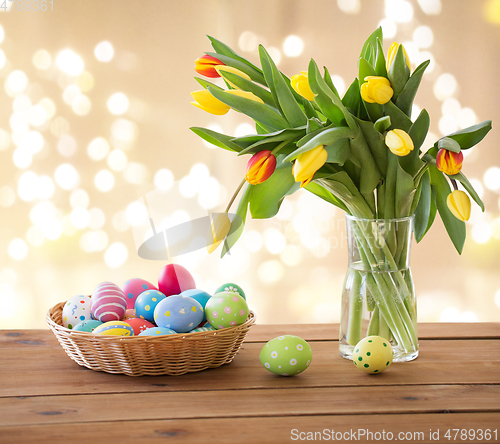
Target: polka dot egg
87, 326
226, 309
231, 287
133, 288
372, 354
146, 303
76, 310
286, 355
180, 313
114, 328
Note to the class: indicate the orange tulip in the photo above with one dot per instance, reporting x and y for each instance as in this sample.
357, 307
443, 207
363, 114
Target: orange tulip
205, 66
449, 162
260, 167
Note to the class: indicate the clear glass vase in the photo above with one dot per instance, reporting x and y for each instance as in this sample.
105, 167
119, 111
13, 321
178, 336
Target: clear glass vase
379, 296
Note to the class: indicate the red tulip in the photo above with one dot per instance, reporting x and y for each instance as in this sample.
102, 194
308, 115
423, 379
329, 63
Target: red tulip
205, 66
449, 162
260, 167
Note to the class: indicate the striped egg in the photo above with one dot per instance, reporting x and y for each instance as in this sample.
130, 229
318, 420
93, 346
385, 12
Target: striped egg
114, 328
108, 302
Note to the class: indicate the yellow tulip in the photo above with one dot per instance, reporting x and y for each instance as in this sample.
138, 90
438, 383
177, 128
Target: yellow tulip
207, 102
376, 90
399, 142
219, 228
225, 68
393, 50
459, 204
300, 83
245, 95
306, 164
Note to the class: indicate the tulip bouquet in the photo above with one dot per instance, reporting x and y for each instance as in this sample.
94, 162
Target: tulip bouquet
360, 152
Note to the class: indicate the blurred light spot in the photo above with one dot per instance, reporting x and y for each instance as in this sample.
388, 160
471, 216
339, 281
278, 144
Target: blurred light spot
253, 241
415, 111
293, 46
49, 106
59, 126
275, 54
79, 217
286, 210
118, 103
4, 139
450, 314
93, 241
271, 271
66, 176
104, 51
248, 41
2, 34
123, 130
42, 212
19, 122
66, 145
423, 37
491, 178
70, 93
116, 255
104, 181
497, 298
349, 6
451, 106
37, 115
209, 193
81, 105
18, 249
22, 157
468, 316
445, 86
136, 173
70, 62
401, 11
8, 276
291, 255
478, 186
85, 81
97, 218
430, 7
412, 50
199, 171
46, 187
244, 129
98, 148
423, 56
35, 236
481, 232
42, 59
164, 179
79, 198
117, 160
188, 186
448, 124
22, 103
27, 186
389, 28
7, 196
53, 229
274, 241
492, 11
466, 117
67, 227
339, 84
495, 228
16, 83
33, 142
136, 213
120, 222
3, 59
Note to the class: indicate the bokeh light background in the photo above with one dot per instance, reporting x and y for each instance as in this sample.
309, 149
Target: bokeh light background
95, 114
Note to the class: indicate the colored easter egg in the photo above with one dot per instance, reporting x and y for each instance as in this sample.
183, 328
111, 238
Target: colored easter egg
139, 325
129, 314
114, 328
226, 309
76, 310
286, 355
158, 331
231, 287
196, 330
146, 303
180, 313
133, 288
372, 354
198, 295
87, 326
174, 279
108, 302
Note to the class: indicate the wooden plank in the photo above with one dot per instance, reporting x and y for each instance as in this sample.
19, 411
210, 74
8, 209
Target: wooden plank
256, 403
46, 370
258, 430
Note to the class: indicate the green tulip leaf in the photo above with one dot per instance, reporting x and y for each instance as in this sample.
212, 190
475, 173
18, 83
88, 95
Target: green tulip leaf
454, 227
352, 99
329, 82
468, 186
252, 87
423, 208
206, 83
217, 139
371, 41
256, 110
313, 125
380, 63
390, 186
471, 136
238, 223
398, 73
370, 175
339, 152
254, 73
411, 163
405, 190
447, 143
223, 49
376, 143
407, 95
253, 140
398, 118
269, 144
326, 195
382, 124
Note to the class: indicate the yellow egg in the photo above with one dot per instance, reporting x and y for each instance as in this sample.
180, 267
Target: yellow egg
114, 328
372, 354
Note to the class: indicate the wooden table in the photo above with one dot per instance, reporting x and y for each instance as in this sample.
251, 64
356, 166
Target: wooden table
454, 384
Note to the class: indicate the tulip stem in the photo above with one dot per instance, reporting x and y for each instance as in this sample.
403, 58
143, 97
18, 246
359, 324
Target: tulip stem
454, 183
235, 194
278, 147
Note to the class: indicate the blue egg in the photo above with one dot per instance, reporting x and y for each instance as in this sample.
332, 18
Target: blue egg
158, 331
198, 295
87, 326
180, 313
146, 303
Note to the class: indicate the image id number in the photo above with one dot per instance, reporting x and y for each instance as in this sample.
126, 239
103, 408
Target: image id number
27, 5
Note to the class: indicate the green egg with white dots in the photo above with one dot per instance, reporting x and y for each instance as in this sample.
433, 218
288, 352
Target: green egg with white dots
372, 354
286, 355
234, 288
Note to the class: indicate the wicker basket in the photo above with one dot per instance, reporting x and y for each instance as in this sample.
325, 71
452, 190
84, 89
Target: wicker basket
149, 355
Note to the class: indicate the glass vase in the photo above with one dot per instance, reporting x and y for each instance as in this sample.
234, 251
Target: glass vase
379, 296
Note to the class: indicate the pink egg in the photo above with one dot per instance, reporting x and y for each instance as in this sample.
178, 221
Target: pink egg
129, 314
139, 325
174, 279
108, 302
133, 288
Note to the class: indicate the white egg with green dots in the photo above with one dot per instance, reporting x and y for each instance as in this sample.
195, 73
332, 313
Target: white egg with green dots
286, 355
372, 354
